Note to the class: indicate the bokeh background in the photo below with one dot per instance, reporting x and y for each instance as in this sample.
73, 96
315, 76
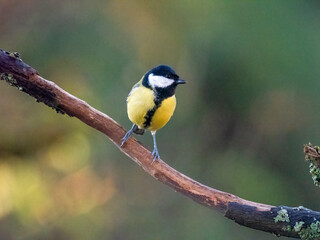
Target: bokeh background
251, 102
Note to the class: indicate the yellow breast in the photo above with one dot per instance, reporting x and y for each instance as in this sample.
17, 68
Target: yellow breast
141, 101
163, 113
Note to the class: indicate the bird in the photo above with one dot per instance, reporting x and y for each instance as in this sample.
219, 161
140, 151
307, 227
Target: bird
151, 103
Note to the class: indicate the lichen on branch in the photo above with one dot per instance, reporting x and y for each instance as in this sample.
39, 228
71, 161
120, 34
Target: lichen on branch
312, 155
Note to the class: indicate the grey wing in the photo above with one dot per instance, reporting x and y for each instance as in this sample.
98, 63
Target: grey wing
133, 88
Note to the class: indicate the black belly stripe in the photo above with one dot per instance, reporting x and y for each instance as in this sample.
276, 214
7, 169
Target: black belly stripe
151, 113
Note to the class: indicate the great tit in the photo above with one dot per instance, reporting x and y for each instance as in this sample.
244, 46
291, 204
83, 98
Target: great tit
151, 103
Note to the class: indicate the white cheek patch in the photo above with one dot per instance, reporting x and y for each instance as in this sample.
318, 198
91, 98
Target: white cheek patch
159, 81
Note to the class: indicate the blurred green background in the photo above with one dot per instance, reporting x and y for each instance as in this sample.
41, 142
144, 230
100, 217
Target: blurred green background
251, 102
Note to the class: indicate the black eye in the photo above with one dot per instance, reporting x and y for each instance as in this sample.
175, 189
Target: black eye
169, 75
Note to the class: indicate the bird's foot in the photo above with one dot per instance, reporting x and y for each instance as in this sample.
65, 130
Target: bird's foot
155, 155
126, 137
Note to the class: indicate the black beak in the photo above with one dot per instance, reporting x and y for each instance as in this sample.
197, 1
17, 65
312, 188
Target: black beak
181, 81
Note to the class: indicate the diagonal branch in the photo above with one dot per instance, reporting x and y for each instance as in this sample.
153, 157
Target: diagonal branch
280, 220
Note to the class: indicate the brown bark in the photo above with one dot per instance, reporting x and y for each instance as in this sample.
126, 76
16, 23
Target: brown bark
254, 215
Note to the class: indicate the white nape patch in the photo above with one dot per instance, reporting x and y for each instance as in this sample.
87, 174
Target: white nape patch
159, 81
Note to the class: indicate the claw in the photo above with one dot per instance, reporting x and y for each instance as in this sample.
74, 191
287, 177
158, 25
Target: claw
127, 136
155, 155
123, 141
155, 152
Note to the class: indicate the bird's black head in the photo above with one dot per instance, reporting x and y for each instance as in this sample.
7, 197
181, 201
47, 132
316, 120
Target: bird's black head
163, 80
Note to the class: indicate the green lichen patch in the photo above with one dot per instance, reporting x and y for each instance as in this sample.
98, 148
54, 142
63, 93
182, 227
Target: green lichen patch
312, 155
282, 216
9, 79
15, 55
305, 232
315, 173
287, 228
310, 233
300, 208
299, 221
297, 227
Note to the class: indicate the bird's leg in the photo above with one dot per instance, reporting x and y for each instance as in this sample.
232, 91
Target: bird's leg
127, 136
155, 152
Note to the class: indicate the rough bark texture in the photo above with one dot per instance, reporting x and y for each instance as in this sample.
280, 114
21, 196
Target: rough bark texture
279, 220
